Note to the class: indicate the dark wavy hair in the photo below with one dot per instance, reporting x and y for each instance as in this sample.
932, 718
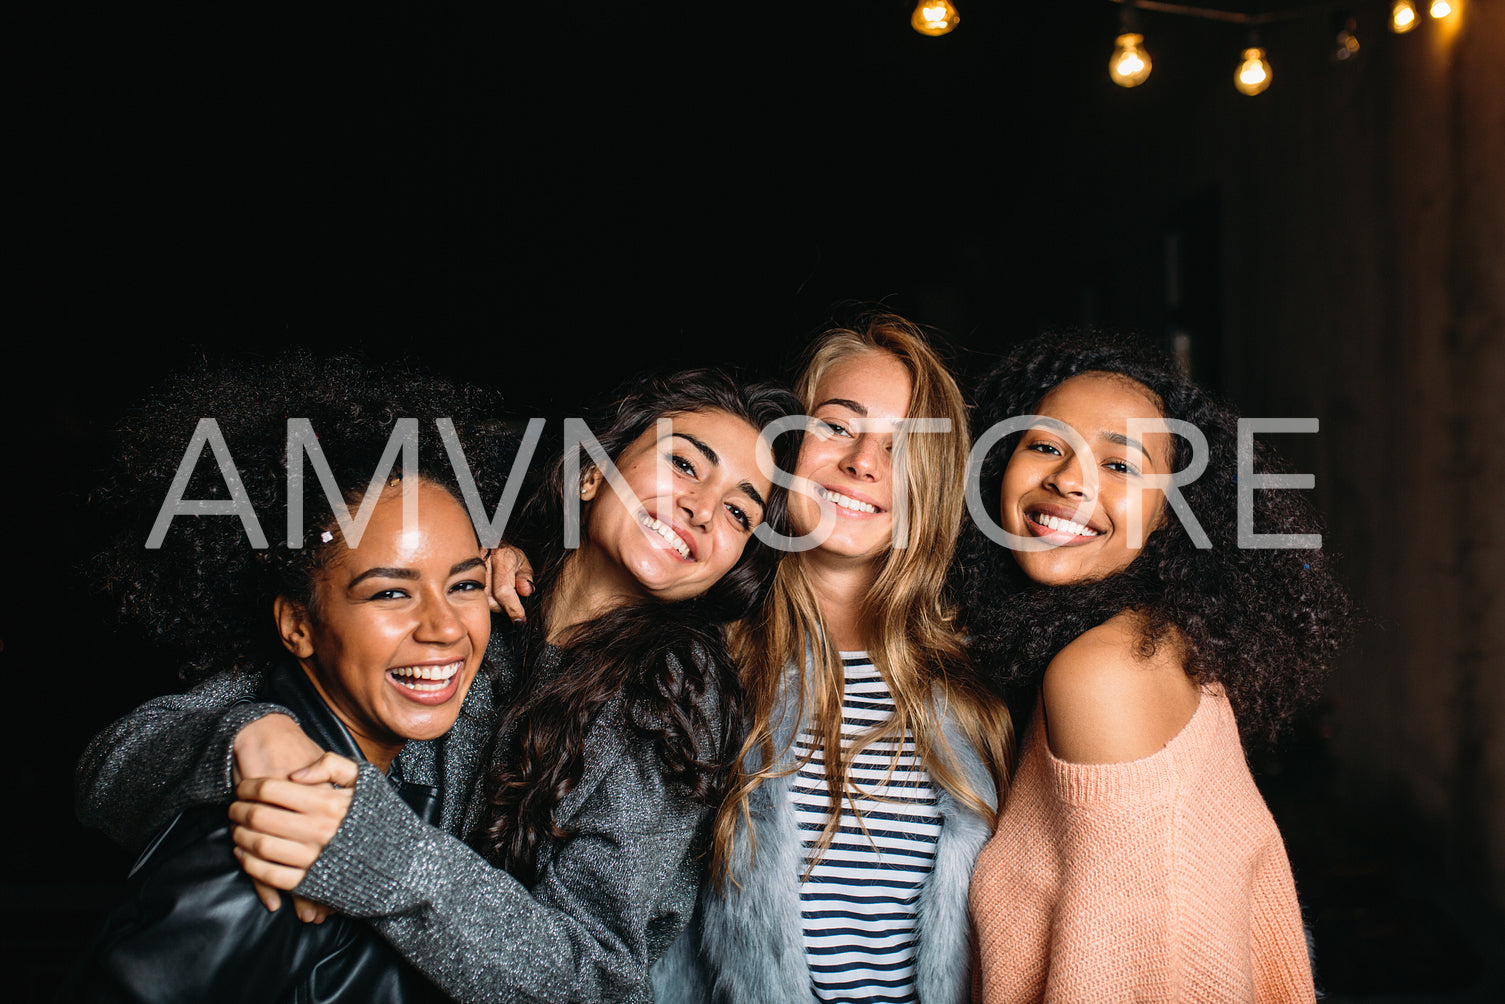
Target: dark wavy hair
207, 591
666, 662
1265, 624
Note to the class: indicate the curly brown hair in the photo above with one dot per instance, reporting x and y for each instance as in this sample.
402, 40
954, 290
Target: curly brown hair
207, 591
1265, 624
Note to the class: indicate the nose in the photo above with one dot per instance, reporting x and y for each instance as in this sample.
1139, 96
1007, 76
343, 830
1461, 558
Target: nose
1067, 479
698, 506
438, 621
866, 458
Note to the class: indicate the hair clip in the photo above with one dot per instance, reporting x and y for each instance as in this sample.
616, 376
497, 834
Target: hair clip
326, 536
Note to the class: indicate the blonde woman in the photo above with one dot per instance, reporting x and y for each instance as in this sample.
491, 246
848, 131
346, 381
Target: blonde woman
876, 756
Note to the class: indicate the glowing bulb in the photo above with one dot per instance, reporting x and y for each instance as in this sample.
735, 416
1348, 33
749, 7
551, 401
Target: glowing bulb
1346, 41
1130, 65
1253, 74
1347, 46
1402, 16
934, 17
1440, 9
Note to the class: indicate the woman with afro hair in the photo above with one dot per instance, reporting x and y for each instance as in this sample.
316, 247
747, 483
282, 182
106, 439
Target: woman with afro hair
373, 641
607, 737
1134, 859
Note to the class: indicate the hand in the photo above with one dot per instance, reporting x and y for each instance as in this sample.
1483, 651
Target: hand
274, 746
509, 577
281, 827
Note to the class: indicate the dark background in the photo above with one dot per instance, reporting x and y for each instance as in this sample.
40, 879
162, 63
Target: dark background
548, 198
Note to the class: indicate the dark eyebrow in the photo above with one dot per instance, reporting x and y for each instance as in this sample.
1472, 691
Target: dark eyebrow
752, 493
383, 573
1119, 439
846, 403
409, 574
709, 453
711, 456
466, 565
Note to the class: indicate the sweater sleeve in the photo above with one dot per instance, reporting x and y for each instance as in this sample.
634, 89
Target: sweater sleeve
1116, 901
1281, 959
589, 930
170, 754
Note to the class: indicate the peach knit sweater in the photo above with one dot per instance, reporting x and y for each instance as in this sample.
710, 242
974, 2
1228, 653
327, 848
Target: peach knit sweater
1161, 879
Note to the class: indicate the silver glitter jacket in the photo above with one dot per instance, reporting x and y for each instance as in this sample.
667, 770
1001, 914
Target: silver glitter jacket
607, 906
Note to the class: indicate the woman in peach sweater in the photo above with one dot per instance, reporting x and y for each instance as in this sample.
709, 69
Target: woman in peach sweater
1135, 859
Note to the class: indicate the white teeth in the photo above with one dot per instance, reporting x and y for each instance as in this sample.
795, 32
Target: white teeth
1057, 523
411, 676
836, 498
666, 531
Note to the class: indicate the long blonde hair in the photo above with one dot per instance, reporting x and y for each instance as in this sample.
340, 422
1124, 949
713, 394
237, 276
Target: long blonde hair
909, 624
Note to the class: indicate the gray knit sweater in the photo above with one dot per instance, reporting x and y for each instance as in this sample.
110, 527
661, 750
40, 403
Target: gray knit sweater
605, 908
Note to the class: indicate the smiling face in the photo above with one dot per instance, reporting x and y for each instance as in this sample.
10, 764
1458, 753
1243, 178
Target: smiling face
692, 501
401, 627
1049, 491
848, 454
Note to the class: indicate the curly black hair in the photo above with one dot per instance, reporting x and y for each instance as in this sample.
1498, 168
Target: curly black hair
1265, 624
667, 663
207, 590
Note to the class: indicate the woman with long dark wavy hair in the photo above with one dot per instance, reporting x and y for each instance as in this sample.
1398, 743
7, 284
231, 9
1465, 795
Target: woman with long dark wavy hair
1135, 859
621, 716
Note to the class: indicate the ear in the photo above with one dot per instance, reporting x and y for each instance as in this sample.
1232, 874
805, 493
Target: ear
295, 626
590, 483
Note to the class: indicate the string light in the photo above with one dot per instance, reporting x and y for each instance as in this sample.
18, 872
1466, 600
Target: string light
1346, 44
1130, 64
1253, 74
934, 17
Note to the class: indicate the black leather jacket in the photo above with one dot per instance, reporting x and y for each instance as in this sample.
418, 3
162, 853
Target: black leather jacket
192, 930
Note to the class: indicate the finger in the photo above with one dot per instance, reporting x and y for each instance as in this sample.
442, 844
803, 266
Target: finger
331, 768
270, 898
315, 829
319, 799
510, 578
275, 850
491, 600
310, 912
277, 876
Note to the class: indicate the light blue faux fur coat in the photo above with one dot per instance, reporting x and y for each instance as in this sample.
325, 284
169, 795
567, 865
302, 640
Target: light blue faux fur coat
745, 943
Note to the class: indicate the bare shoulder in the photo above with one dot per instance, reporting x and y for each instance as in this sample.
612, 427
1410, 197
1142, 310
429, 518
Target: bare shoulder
1105, 702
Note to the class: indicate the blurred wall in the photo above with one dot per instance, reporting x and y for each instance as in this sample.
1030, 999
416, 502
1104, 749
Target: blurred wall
1372, 196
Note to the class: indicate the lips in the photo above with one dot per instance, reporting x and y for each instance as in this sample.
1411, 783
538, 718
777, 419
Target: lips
1056, 525
671, 535
850, 503
430, 684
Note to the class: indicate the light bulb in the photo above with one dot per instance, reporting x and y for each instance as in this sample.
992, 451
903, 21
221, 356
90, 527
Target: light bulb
1253, 74
1130, 65
934, 17
1346, 45
1402, 16
1440, 9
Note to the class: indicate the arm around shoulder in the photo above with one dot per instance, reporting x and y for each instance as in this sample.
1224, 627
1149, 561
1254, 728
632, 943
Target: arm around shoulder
608, 903
170, 754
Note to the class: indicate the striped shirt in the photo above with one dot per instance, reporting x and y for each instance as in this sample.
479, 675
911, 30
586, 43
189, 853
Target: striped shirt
859, 902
